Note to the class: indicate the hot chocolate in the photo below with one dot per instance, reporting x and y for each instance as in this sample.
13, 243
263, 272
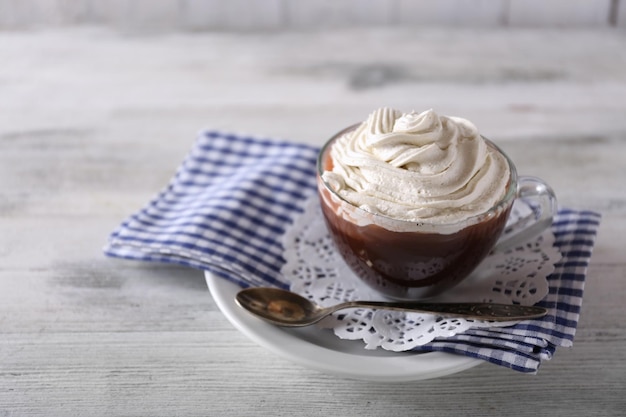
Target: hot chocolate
414, 201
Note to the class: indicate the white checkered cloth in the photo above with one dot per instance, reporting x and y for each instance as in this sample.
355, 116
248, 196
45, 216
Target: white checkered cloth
233, 197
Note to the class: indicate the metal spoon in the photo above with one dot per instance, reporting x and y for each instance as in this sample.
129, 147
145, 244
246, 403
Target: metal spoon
285, 308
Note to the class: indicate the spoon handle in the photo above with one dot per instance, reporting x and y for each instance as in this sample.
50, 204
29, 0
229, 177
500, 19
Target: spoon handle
479, 311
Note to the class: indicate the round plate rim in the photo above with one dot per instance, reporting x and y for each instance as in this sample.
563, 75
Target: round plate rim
313, 349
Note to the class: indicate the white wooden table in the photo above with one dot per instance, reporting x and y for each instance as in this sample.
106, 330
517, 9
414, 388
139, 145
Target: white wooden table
93, 123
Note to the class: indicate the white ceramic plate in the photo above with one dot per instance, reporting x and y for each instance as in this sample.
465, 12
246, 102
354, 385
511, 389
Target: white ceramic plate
323, 351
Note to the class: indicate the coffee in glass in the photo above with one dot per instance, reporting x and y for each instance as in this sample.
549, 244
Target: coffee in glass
414, 202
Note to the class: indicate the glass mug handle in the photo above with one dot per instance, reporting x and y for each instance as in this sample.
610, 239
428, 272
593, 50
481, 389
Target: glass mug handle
541, 199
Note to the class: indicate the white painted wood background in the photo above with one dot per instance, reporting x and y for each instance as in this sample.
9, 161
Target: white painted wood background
309, 14
94, 122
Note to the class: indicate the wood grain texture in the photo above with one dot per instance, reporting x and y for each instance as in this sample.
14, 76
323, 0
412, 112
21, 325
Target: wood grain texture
250, 15
94, 122
555, 13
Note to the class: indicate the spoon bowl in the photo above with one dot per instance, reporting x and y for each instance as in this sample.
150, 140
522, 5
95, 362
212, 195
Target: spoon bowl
286, 308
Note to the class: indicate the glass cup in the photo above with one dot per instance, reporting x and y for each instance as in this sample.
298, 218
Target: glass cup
409, 261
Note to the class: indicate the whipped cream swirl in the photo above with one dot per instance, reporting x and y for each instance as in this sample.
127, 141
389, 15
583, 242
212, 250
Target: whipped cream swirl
419, 167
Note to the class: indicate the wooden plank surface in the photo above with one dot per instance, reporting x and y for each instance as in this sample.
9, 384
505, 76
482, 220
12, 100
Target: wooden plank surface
246, 15
93, 123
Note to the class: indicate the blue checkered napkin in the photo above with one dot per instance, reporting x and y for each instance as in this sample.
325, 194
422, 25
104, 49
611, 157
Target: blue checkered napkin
225, 210
524, 346
233, 197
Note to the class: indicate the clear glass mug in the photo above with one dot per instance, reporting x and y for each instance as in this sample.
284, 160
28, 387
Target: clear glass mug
406, 261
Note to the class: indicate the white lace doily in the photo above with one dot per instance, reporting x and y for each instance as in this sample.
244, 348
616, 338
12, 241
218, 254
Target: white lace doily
316, 271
